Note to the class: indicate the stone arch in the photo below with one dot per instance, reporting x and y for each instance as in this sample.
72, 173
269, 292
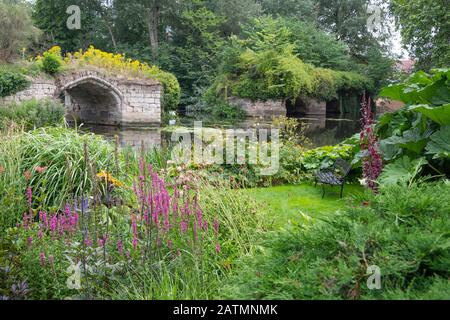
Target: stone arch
91, 99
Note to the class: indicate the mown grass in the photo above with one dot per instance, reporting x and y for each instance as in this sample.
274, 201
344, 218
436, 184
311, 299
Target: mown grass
285, 204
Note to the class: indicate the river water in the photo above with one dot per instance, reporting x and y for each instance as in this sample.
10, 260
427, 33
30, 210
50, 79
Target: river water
321, 131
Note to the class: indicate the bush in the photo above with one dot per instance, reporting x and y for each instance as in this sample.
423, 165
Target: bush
33, 114
324, 84
325, 157
51, 63
402, 231
12, 82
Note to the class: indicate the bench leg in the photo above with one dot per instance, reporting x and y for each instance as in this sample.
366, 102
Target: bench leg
323, 191
342, 190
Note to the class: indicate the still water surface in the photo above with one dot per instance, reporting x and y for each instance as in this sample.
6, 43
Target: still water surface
321, 131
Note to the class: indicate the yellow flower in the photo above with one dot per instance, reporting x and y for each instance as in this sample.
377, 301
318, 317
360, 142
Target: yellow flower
110, 179
55, 50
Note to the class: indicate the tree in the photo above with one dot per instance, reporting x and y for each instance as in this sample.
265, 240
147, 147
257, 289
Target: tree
17, 28
196, 44
51, 17
235, 13
310, 44
347, 20
305, 10
145, 18
425, 30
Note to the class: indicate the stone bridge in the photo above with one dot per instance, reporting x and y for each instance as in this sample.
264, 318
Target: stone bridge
95, 97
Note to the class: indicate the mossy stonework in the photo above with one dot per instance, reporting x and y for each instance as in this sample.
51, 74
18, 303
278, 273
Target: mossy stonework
93, 96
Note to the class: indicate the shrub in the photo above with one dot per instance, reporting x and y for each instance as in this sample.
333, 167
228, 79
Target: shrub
324, 157
402, 231
33, 114
11, 83
271, 74
51, 63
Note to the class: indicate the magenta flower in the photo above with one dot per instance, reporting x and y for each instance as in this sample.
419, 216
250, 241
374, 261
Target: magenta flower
42, 258
88, 242
120, 246
51, 261
216, 227
29, 196
30, 241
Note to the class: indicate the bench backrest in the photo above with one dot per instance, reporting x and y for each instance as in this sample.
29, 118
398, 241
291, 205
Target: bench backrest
342, 166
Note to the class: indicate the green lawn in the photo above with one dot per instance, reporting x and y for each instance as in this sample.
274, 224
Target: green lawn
283, 204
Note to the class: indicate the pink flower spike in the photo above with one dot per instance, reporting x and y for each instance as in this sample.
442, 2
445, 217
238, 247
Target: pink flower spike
42, 258
120, 246
30, 241
51, 260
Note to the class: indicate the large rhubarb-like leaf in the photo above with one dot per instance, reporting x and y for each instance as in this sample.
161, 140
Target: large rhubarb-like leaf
439, 114
439, 145
402, 171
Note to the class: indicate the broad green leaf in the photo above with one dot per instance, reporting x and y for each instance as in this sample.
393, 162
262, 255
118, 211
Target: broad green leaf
439, 146
436, 94
414, 141
395, 92
439, 114
402, 171
421, 78
390, 148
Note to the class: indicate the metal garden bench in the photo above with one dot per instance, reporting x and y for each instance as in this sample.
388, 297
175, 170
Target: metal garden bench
335, 176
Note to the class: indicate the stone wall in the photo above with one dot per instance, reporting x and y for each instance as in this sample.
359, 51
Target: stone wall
312, 106
40, 88
94, 97
260, 108
142, 102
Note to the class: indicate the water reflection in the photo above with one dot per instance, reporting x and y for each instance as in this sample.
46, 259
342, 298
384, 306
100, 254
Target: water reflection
321, 130
131, 137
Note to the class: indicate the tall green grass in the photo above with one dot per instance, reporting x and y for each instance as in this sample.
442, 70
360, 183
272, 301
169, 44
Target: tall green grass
33, 114
12, 180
